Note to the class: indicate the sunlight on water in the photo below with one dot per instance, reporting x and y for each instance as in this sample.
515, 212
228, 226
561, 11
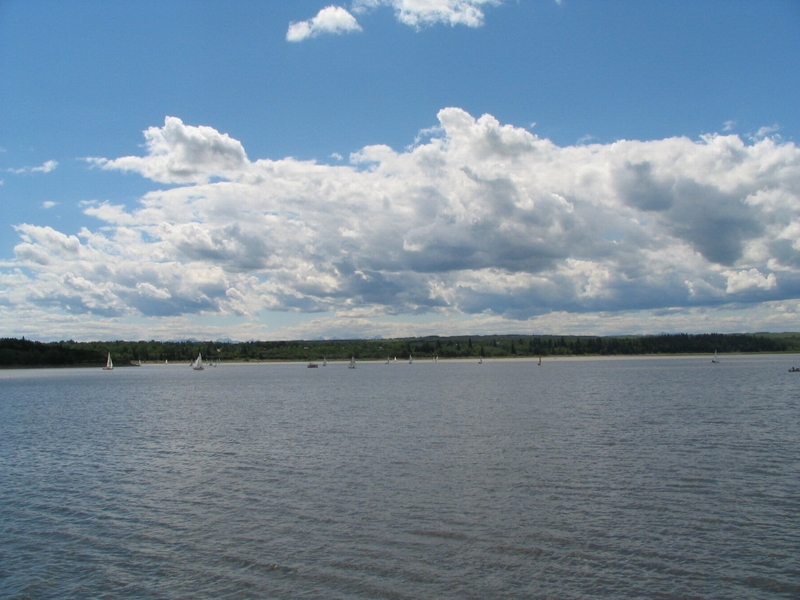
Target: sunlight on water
590, 478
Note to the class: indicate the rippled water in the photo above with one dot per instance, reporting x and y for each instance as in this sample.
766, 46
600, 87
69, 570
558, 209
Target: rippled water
576, 479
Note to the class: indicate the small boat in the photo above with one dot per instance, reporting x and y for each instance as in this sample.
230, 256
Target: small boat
715, 359
109, 365
324, 362
794, 370
313, 365
480, 361
540, 361
352, 364
197, 364
410, 360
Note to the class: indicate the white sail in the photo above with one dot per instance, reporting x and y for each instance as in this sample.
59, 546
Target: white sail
197, 365
715, 359
352, 364
410, 360
109, 364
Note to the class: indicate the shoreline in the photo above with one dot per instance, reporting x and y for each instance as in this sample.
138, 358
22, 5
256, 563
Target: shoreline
426, 360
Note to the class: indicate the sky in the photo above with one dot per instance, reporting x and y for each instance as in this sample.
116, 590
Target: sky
270, 170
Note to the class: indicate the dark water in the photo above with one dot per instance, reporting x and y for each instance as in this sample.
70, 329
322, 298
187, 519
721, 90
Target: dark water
576, 479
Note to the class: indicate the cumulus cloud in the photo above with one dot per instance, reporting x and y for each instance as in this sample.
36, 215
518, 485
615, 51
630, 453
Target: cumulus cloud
750, 279
478, 220
331, 19
183, 154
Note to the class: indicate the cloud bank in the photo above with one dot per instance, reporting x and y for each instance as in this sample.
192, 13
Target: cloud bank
481, 222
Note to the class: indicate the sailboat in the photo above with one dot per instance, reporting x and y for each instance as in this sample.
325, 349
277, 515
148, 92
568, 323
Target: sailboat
540, 361
109, 365
324, 362
480, 360
352, 364
410, 360
197, 365
715, 359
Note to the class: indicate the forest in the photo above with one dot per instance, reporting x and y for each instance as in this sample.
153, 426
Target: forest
27, 353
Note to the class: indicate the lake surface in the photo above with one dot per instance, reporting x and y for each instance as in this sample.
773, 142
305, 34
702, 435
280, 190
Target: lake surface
632, 478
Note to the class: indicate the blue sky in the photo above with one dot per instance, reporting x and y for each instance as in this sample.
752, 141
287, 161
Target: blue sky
282, 170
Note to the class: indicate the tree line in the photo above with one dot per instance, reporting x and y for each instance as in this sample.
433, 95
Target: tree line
27, 353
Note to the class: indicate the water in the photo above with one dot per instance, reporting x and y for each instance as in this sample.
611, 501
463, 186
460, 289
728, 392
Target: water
576, 479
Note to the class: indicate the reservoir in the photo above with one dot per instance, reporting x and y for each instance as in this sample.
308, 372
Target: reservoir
591, 478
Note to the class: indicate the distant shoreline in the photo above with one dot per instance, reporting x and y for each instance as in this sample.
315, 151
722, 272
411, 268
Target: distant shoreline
25, 353
422, 360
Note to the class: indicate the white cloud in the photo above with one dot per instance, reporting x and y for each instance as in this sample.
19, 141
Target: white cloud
178, 153
739, 281
423, 13
414, 13
148, 289
49, 204
46, 167
766, 131
331, 19
479, 223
